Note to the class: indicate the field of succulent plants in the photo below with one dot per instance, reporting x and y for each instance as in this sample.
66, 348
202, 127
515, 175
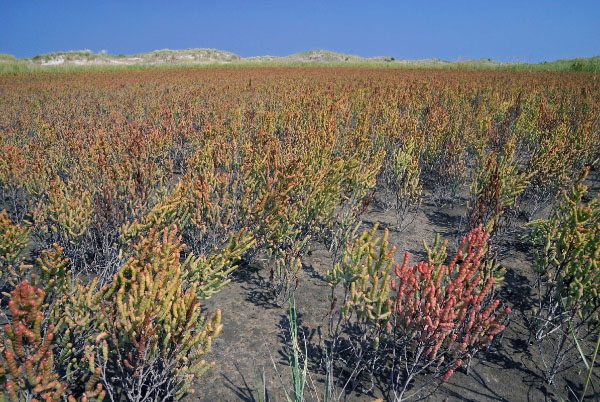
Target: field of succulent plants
130, 201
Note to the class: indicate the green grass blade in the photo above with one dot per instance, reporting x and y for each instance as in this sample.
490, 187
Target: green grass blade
590, 369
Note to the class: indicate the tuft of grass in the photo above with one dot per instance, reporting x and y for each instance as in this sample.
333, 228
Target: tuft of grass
297, 360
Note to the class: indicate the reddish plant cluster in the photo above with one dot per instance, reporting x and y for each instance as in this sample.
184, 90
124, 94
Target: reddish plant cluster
429, 319
28, 369
444, 312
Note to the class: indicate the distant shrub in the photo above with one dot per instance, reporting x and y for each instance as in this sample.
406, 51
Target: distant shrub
576, 66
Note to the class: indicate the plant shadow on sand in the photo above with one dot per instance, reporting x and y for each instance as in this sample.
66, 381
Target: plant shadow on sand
242, 390
257, 287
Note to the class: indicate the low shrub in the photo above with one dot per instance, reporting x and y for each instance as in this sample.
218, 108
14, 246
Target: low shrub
567, 306
28, 370
140, 337
427, 321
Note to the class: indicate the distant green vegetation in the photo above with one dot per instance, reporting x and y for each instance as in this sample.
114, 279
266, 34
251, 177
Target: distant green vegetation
201, 58
72, 55
591, 64
7, 57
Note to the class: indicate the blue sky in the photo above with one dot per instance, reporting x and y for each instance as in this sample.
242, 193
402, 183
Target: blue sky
511, 31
